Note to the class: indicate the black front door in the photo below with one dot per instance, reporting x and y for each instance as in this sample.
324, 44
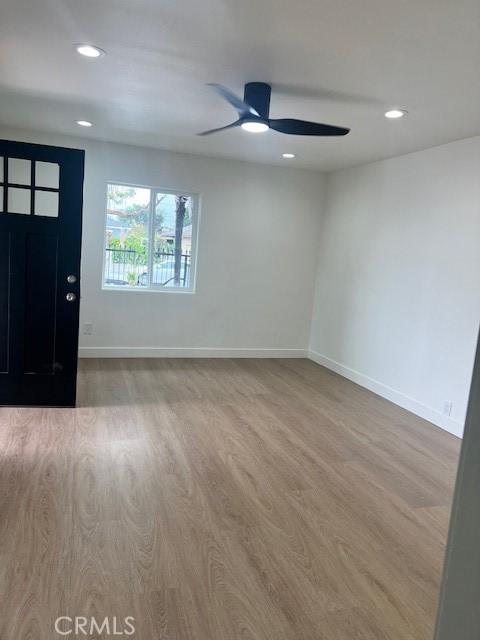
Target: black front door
40, 237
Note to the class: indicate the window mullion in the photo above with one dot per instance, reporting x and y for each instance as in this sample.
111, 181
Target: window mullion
151, 238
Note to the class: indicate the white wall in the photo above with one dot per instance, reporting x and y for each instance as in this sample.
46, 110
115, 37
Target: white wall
458, 614
257, 255
397, 302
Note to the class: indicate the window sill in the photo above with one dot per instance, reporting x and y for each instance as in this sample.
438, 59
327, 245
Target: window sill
127, 289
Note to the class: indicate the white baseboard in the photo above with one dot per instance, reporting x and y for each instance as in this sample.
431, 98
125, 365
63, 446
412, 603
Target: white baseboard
397, 397
194, 352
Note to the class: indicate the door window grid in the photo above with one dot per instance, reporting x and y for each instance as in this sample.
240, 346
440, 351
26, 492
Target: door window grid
29, 187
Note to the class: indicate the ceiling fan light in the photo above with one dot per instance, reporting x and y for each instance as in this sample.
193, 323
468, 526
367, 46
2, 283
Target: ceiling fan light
89, 50
254, 126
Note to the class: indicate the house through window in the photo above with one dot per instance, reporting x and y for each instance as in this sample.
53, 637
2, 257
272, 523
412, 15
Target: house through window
150, 238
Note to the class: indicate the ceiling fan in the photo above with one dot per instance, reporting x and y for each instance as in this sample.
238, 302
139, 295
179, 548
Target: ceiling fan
253, 112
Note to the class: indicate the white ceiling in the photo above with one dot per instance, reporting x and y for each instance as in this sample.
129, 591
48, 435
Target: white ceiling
340, 62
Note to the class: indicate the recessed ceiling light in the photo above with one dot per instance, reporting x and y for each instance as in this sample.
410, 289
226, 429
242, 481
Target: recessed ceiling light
83, 123
89, 51
288, 155
254, 127
395, 113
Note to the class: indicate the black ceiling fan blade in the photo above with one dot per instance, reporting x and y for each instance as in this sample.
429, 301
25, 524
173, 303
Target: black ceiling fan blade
228, 126
237, 103
305, 128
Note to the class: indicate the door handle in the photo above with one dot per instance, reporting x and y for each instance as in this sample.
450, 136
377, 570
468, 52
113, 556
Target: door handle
70, 297
71, 279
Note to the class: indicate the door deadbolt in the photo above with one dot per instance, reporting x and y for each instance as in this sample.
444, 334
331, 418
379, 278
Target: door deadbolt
70, 297
71, 279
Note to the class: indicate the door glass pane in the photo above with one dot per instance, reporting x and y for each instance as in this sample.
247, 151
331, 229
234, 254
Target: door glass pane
126, 250
19, 171
1, 168
173, 240
46, 203
47, 174
18, 200
1, 199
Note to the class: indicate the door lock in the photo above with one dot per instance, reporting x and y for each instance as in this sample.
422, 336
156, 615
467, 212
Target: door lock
71, 279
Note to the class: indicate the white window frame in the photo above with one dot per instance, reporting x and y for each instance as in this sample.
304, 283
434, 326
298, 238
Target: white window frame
151, 287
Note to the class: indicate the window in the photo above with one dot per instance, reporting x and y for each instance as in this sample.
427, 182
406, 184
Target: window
150, 238
29, 187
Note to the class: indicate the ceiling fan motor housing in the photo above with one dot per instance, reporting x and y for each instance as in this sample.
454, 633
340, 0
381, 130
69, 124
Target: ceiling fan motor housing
257, 95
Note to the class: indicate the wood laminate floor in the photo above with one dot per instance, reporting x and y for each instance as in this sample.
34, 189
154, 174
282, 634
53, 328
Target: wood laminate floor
223, 500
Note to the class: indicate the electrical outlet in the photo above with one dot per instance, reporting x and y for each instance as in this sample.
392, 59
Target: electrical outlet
87, 329
447, 407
